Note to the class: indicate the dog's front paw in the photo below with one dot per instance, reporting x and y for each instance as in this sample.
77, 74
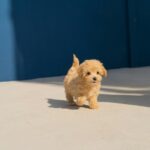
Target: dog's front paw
80, 101
94, 106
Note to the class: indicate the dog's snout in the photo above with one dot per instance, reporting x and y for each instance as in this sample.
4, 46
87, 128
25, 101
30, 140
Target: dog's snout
94, 78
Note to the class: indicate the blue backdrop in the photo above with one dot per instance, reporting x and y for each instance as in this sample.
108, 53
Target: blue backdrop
38, 38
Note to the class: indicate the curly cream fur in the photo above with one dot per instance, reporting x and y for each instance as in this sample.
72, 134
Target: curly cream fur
82, 82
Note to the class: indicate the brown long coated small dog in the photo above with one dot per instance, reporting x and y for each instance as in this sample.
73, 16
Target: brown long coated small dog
83, 82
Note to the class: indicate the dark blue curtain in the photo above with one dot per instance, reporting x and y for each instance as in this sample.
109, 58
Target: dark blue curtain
39, 37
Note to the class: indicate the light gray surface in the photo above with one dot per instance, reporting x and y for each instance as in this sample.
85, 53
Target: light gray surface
34, 115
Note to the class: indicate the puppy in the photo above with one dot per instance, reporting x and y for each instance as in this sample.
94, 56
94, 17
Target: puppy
83, 82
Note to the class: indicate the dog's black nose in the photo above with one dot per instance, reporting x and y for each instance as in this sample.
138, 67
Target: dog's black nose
94, 78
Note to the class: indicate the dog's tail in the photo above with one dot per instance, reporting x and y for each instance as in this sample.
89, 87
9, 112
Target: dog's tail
73, 70
75, 62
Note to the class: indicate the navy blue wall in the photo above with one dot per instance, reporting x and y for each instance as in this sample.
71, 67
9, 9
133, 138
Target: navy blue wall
39, 37
7, 43
139, 24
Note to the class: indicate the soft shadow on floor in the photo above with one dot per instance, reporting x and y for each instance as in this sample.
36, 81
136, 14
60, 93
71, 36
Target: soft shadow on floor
139, 98
55, 103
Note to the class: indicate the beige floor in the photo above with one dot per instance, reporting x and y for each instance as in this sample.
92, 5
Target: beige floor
35, 116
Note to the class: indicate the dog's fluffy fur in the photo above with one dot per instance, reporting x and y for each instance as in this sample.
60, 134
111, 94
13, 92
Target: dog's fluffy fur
82, 82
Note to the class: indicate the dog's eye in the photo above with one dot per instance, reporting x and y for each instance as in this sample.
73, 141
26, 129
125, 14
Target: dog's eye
88, 73
98, 72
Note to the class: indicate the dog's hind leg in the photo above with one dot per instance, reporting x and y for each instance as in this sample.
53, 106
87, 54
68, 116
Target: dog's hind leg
69, 97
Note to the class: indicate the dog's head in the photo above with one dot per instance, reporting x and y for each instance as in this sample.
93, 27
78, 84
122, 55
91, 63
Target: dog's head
92, 71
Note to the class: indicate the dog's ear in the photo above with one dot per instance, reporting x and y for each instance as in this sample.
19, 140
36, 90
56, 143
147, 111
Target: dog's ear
80, 71
103, 71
